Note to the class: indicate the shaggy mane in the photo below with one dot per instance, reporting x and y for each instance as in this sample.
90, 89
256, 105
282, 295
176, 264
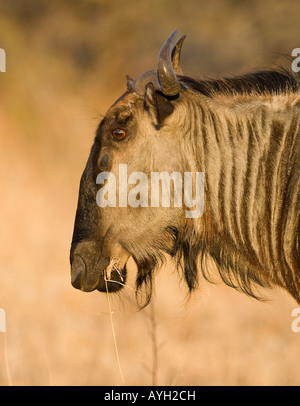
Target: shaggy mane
277, 81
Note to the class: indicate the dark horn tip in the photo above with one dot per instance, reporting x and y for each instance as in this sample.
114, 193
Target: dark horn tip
176, 52
168, 80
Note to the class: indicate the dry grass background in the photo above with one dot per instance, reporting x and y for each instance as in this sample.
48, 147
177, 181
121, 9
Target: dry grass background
66, 64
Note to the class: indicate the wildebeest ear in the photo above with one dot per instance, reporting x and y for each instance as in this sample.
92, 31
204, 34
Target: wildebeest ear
158, 104
129, 82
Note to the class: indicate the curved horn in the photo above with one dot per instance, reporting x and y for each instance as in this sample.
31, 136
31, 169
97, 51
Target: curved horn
176, 55
168, 81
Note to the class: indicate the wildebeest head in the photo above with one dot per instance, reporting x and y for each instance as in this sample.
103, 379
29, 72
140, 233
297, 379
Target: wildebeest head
243, 132
138, 133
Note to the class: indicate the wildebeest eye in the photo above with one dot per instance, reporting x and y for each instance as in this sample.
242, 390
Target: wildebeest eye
119, 134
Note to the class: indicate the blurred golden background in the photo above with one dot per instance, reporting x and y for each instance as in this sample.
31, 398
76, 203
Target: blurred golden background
66, 63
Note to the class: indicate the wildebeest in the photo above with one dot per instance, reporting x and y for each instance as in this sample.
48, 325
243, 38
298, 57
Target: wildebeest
244, 134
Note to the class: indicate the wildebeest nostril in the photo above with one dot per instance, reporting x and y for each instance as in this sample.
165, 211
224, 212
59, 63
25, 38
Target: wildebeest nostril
77, 272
